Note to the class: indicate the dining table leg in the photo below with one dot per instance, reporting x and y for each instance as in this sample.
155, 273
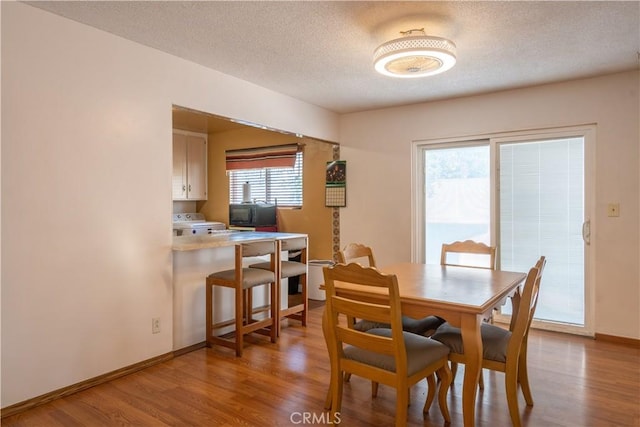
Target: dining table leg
472, 343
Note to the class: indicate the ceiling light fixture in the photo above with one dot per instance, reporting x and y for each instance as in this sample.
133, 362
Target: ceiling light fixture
413, 56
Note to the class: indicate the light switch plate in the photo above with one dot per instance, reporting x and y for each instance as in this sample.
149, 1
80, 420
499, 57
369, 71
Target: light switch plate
613, 209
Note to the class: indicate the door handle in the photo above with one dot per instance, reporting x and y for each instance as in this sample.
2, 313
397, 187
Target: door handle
586, 232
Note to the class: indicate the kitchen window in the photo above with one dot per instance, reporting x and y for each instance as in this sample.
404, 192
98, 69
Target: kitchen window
277, 185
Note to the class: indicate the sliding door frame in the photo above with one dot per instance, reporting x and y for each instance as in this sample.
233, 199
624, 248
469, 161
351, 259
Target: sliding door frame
587, 131
418, 198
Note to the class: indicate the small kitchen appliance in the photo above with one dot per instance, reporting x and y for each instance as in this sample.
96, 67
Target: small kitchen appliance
253, 215
194, 223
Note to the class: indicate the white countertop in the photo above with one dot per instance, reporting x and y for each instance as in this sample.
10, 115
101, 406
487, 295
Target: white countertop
218, 240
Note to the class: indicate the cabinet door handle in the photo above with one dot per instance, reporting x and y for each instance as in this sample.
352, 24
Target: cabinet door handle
189, 188
184, 188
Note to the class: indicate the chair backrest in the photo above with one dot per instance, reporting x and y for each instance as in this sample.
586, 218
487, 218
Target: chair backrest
471, 254
259, 248
298, 244
256, 249
294, 244
540, 265
526, 308
355, 301
355, 252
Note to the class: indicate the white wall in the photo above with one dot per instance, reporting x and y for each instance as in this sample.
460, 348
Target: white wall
86, 193
377, 147
86, 137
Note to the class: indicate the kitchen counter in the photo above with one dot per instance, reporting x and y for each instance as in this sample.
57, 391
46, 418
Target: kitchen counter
197, 256
227, 238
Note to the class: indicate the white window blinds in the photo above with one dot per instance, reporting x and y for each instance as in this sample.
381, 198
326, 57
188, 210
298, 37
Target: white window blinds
277, 185
541, 213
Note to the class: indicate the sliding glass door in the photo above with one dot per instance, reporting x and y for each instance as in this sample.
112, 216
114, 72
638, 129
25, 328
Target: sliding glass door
541, 196
457, 196
524, 193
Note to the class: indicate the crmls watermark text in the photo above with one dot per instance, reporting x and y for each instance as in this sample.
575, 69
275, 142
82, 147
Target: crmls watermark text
314, 418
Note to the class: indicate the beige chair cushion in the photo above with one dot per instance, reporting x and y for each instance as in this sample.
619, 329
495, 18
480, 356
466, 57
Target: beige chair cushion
250, 276
287, 268
415, 326
494, 340
421, 351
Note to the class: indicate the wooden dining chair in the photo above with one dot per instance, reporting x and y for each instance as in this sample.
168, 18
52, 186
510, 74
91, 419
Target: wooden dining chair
523, 372
243, 280
504, 350
389, 356
362, 254
468, 253
356, 252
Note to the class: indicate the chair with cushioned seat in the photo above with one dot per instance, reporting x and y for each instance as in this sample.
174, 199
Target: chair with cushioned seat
505, 350
243, 280
362, 254
356, 252
389, 356
289, 269
469, 254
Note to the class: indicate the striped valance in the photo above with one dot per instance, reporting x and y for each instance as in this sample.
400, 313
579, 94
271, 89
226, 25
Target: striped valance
279, 156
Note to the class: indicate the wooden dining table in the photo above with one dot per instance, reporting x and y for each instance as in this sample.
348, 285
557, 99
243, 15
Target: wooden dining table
464, 297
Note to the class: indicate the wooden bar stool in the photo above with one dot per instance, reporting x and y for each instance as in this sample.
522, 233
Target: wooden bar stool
243, 280
290, 269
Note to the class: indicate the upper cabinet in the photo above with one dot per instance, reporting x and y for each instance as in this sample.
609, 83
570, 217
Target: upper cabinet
189, 166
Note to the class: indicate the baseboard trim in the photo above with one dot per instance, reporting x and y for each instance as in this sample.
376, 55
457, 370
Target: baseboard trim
101, 379
631, 342
189, 349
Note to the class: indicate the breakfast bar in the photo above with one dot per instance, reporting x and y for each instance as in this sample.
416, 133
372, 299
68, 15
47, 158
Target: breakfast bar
194, 258
225, 238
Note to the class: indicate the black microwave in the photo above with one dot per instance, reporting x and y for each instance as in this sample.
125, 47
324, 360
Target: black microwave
252, 215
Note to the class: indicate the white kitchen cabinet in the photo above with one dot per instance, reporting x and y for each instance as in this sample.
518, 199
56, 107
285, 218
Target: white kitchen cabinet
189, 166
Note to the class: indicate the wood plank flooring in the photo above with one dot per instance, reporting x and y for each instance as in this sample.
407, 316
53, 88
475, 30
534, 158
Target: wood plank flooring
576, 381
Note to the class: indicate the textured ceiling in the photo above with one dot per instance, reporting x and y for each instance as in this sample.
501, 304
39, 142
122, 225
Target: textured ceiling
321, 52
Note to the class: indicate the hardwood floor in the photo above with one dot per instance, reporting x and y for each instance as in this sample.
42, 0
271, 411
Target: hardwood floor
575, 381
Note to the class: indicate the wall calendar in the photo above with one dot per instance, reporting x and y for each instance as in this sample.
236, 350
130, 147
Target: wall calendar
336, 184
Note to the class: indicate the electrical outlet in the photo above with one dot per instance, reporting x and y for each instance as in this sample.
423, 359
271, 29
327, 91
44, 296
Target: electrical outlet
155, 325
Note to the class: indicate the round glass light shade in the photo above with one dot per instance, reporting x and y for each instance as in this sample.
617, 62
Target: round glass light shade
415, 56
